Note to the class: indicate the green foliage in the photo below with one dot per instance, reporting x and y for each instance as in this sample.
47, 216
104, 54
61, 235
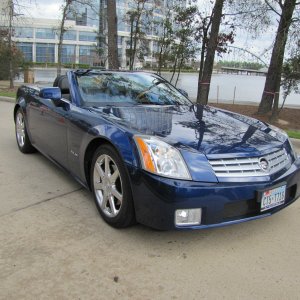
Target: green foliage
139, 19
293, 134
184, 48
11, 94
291, 75
166, 40
240, 64
17, 60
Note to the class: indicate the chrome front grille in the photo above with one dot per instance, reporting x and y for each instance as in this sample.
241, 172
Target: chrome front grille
242, 167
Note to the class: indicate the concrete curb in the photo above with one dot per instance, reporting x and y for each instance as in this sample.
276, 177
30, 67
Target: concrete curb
7, 99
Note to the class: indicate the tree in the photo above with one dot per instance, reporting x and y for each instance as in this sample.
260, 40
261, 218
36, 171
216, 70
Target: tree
241, 64
9, 14
10, 53
273, 79
65, 8
176, 44
249, 15
112, 27
164, 28
134, 19
202, 37
8, 34
139, 18
102, 34
16, 60
212, 44
184, 47
290, 76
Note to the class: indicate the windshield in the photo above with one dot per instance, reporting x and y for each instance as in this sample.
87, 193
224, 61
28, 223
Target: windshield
128, 88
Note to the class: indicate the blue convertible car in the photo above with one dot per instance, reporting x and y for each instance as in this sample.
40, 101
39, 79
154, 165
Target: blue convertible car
150, 155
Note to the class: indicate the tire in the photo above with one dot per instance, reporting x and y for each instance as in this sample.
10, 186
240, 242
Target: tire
22, 137
111, 188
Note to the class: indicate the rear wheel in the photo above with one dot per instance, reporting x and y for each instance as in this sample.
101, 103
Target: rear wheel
23, 141
111, 188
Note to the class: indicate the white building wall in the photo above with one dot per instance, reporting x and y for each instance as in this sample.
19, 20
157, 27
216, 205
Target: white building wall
36, 24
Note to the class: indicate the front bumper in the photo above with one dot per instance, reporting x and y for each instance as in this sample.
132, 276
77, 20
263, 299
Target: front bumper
156, 199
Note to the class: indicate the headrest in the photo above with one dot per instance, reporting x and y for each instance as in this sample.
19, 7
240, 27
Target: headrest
63, 83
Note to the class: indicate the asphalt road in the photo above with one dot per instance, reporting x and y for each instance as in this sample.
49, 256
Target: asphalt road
53, 245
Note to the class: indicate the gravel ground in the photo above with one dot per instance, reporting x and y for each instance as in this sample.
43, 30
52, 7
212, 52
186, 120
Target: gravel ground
53, 245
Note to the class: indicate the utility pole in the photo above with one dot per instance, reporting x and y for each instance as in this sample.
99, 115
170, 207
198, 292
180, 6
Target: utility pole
10, 54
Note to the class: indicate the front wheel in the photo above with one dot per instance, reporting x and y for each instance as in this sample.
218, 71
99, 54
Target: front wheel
22, 137
111, 188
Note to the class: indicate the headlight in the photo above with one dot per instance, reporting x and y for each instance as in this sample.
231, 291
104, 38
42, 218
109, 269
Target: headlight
293, 149
161, 158
277, 132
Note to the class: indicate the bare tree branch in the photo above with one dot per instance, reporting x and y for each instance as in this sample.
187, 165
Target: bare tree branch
272, 8
242, 12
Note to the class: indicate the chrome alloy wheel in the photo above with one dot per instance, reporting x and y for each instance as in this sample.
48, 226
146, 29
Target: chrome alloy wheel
108, 185
20, 129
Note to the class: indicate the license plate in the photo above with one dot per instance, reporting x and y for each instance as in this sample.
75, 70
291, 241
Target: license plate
273, 198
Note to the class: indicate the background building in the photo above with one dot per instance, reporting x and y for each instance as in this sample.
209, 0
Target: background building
90, 16
38, 38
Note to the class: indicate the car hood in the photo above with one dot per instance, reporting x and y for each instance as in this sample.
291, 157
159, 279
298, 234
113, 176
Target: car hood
202, 128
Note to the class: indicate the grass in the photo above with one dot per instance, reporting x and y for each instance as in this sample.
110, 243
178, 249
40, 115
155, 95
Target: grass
293, 134
8, 94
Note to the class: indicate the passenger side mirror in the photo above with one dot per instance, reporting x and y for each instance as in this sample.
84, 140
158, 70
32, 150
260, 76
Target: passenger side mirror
183, 92
53, 93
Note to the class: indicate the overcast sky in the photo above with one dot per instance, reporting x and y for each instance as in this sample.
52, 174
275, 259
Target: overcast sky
50, 9
42, 8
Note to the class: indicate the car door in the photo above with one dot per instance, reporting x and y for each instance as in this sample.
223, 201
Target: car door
47, 125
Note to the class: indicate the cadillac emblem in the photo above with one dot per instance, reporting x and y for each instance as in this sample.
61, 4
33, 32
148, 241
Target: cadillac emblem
264, 164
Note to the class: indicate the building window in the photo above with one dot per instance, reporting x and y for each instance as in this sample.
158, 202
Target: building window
120, 53
120, 41
45, 33
23, 32
87, 55
146, 24
121, 3
68, 54
45, 53
70, 35
158, 10
81, 19
26, 49
122, 20
155, 47
87, 36
158, 26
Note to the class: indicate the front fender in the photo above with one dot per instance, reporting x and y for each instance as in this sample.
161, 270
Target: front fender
106, 133
20, 102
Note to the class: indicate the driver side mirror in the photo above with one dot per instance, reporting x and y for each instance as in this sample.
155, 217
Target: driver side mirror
53, 93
